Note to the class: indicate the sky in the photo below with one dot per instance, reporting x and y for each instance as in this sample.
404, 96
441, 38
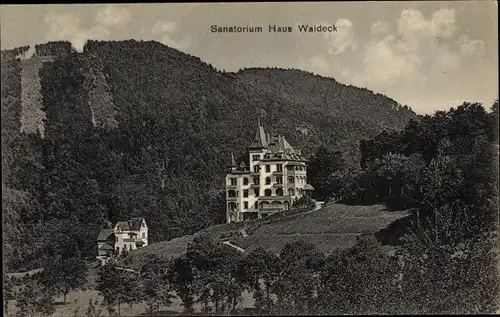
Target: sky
429, 55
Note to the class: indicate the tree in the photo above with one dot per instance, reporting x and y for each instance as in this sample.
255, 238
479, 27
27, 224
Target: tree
92, 310
8, 292
155, 289
33, 300
117, 286
181, 278
297, 279
260, 266
215, 272
359, 280
324, 163
62, 275
447, 268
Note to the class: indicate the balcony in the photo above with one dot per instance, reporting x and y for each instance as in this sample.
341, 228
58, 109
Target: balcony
267, 198
278, 173
231, 198
276, 185
231, 186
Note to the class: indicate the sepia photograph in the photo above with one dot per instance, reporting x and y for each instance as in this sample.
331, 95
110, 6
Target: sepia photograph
281, 158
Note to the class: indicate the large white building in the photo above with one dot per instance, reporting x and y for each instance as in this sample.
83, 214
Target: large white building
266, 179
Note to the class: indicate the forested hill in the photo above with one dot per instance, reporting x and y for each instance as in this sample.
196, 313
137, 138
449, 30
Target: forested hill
328, 111
130, 128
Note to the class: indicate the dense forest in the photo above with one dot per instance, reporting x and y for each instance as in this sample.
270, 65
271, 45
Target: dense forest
132, 128
139, 129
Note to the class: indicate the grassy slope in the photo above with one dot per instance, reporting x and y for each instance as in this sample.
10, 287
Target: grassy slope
334, 226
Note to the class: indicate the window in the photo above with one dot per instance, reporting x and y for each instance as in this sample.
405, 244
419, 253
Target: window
268, 180
255, 157
245, 193
144, 235
279, 167
291, 179
291, 192
245, 204
231, 206
231, 193
279, 192
290, 168
233, 181
256, 169
256, 192
256, 180
267, 192
268, 168
245, 181
279, 180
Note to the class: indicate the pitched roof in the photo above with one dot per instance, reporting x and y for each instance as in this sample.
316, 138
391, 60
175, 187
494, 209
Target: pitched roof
260, 139
135, 223
123, 225
104, 234
233, 161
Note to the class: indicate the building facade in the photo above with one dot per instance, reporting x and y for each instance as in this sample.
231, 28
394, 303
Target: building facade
266, 179
125, 235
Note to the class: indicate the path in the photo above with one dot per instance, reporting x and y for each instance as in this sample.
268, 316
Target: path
23, 274
234, 246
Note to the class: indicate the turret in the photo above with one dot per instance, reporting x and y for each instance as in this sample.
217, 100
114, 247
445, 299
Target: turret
260, 139
232, 165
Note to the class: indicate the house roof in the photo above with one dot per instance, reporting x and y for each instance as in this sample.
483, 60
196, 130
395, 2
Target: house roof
124, 225
106, 247
135, 223
104, 234
132, 224
260, 139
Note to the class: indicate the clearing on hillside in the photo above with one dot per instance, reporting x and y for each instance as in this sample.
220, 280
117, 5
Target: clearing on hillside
332, 227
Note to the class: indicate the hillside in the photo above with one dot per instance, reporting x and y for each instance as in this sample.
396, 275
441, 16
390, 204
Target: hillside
130, 128
335, 226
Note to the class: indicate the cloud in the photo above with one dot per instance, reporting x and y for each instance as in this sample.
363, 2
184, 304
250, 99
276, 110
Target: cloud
379, 28
341, 40
161, 27
412, 24
470, 47
420, 47
67, 27
165, 29
384, 64
318, 63
112, 15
